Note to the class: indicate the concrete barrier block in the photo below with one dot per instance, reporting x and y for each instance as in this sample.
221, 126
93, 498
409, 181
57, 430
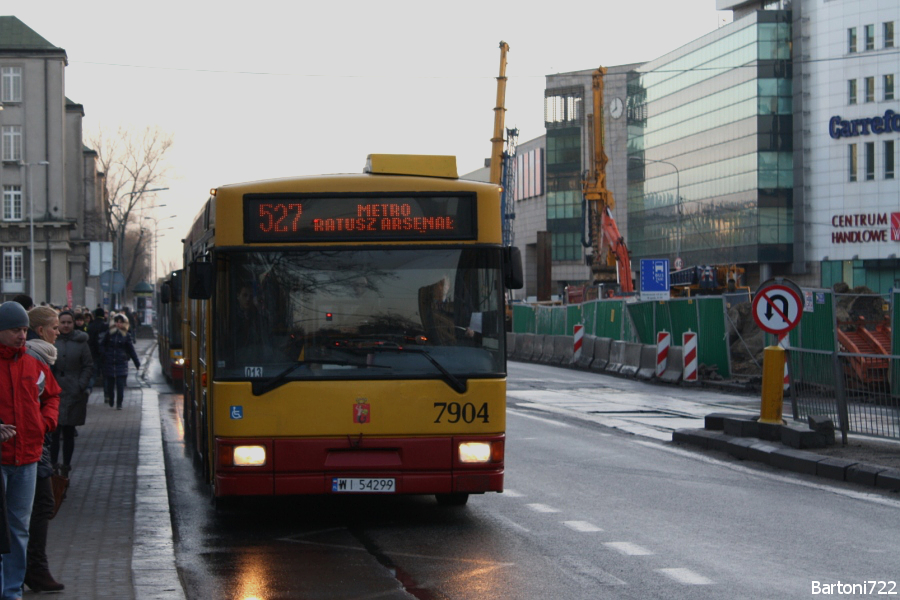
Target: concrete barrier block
740, 448
761, 452
795, 460
538, 348
519, 348
864, 474
834, 468
587, 352
563, 350
742, 427
647, 368
888, 480
547, 354
674, 365
601, 353
616, 357
631, 359
716, 421
510, 344
524, 346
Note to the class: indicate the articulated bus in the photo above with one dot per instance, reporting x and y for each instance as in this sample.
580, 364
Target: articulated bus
346, 334
169, 328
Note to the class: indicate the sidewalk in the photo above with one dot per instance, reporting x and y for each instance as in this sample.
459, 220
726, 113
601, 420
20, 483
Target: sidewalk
112, 537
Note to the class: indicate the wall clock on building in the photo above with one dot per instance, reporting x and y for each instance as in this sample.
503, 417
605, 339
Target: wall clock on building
616, 108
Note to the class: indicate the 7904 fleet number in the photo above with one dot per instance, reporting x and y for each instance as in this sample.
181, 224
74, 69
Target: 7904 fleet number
454, 412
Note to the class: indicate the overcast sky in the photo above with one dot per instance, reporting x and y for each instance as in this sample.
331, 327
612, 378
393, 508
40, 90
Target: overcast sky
276, 88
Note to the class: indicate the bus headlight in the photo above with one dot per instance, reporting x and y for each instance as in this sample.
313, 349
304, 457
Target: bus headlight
249, 456
475, 452
179, 362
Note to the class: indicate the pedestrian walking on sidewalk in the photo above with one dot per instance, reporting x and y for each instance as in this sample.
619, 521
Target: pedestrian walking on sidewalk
41, 344
96, 329
115, 351
29, 399
74, 370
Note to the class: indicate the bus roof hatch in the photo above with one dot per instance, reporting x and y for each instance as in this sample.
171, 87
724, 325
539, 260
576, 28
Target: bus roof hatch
412, 164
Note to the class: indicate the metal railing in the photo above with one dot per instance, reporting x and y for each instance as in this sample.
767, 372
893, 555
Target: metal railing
859, 392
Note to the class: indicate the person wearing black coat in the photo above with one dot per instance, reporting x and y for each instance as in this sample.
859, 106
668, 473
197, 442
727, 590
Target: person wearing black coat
115, 351
96, 329
74, 370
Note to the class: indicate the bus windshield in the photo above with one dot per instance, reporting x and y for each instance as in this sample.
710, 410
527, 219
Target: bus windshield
359, 314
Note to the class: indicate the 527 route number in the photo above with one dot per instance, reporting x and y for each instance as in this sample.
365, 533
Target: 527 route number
454, 412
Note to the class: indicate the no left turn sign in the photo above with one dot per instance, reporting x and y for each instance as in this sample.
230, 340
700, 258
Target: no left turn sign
777, 308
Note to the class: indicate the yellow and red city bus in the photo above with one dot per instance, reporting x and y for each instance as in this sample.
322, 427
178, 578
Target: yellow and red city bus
169, 328
345, 334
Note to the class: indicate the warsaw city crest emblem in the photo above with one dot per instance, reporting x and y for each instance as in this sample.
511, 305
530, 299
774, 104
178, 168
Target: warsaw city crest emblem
361, 411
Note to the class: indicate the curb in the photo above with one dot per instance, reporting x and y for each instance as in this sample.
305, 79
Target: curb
789, 459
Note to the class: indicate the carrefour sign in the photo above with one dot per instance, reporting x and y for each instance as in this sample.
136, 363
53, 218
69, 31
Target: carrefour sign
840, 128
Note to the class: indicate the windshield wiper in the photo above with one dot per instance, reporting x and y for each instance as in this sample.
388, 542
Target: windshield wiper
458, 385
263, 387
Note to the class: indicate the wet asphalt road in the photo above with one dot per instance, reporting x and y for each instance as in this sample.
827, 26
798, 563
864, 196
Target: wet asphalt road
589, 512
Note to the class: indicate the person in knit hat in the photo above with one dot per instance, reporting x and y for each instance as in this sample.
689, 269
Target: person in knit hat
33, 410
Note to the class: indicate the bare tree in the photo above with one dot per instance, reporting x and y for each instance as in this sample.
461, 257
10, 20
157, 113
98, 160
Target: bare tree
135, 164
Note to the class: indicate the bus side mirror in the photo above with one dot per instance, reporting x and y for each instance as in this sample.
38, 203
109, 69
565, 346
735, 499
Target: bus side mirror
512, 268
200, 281
165, 293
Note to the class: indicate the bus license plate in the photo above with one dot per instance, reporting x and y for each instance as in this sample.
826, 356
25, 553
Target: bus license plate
363, 485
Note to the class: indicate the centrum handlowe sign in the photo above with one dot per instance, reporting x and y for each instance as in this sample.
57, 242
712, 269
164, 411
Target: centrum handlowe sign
865, 228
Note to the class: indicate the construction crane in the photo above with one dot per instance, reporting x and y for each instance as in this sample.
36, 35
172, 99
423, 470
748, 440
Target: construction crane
503, 165
609, 249
508, 195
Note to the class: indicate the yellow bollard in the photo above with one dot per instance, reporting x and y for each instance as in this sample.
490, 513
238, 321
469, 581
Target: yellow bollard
772, 385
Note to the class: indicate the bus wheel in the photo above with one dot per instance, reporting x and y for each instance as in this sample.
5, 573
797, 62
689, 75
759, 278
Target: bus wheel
457, 499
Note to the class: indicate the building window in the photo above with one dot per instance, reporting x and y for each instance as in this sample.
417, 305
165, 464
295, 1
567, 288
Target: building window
889, 159
870, 161
13, 264
852, 162
566, 246
12, 203
888, 87
564, 149
870, 89
12, 142
851, 91
563, 108
11, 84
870, 37
889, 34
851, 40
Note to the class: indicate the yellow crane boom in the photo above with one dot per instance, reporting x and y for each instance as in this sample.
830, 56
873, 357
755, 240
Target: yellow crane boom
499, 117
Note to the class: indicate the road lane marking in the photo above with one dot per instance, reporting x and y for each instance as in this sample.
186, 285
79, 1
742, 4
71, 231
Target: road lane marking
582, 526
542, 508
534, 418
867, 497
512, 493
628, 549
685, 576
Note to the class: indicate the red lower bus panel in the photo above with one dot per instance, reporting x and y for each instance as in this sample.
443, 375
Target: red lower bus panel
308, 466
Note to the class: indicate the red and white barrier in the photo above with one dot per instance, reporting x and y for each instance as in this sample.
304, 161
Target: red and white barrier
579, 338
663, 340
689, 342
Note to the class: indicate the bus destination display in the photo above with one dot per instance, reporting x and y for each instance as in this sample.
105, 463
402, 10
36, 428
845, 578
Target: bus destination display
283, 218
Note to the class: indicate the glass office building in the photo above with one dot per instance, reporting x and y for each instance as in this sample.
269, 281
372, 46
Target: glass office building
710, 149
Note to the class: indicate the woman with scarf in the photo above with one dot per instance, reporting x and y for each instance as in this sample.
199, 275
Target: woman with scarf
44, 324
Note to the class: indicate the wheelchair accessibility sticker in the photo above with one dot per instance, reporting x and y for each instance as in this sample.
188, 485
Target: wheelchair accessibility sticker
237, 412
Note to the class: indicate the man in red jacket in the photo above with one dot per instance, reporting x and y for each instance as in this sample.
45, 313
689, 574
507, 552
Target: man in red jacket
29, 400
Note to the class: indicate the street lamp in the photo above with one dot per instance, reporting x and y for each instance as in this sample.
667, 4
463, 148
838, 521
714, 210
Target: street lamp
156, 236
31, 221
677, 197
